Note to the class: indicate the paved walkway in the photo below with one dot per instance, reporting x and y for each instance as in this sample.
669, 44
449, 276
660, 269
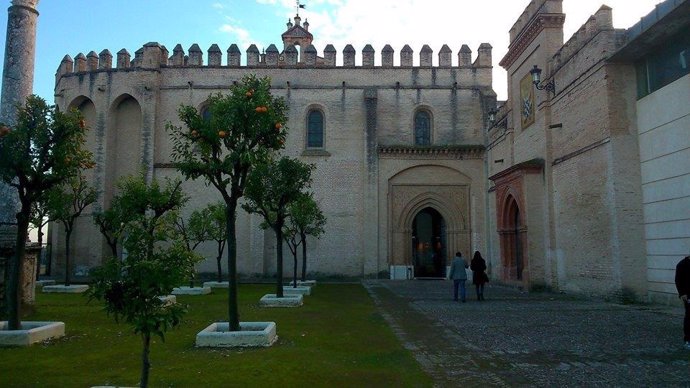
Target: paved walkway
537, 340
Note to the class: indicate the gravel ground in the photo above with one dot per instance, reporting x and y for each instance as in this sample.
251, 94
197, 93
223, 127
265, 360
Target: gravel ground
515, 338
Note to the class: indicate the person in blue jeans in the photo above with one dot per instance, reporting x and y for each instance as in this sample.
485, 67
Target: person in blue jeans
459, 276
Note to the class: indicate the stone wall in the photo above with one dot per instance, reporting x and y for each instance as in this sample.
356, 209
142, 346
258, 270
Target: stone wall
584, 213
364, 108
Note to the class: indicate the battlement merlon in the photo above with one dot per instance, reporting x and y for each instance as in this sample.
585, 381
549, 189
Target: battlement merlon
153, 56
534, 8
601, 21
540, 17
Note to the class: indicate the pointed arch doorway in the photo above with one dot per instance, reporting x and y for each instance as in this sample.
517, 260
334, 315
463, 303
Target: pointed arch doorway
429, 241
512, 220
429, 213
512, 240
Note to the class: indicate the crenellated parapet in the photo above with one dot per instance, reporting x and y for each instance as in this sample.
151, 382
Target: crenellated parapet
539, 16
536, 8
153, 55
602, 20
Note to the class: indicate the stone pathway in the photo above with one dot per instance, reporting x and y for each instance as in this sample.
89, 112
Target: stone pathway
533, 339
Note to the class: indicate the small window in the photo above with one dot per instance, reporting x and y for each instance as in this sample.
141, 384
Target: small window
315, 129
664, 65
422, 128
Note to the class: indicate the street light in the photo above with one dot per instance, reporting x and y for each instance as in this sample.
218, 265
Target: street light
536, 80
492, 115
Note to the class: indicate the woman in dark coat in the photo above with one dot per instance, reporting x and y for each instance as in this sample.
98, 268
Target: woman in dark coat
479, 277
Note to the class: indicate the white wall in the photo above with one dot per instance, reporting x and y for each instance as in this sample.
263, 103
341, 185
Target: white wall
664, 131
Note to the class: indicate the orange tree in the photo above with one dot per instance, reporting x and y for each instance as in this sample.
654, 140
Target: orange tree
157, 261
271, 188
66, 203
241, 129
209, 224
305, 218
43, 150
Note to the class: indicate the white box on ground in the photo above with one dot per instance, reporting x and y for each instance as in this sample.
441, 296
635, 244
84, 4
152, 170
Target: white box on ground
251, 334
191, 290
31, 332
271, 300
61, 288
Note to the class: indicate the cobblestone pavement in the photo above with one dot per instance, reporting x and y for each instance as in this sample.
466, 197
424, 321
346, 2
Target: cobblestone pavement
533, 339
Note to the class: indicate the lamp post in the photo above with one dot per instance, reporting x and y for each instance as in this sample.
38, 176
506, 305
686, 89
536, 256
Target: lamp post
549, 86
492, 116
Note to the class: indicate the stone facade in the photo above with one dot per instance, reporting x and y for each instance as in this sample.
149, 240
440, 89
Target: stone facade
578, 185
565, 163
371, 179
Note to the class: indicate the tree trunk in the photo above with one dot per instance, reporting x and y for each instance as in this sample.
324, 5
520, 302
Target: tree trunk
113, 248
145, 364
40, 252
294, 269
279, 268
218, 260
233, 313
68, 233
14, 290
304, 256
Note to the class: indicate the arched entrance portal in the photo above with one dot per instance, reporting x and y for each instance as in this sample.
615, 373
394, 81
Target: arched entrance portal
429, 244
429, 213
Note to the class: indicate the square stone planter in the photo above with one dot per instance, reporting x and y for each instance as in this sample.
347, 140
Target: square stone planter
191, 290
271, 300
301, 290
216, 284
31, 333
307, 283
168, 299
61, 288
251, 334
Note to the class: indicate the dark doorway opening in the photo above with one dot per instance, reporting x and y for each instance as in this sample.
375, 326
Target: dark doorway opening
518, 244
429, 244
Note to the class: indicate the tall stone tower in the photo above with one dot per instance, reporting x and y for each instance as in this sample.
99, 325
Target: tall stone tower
17, 84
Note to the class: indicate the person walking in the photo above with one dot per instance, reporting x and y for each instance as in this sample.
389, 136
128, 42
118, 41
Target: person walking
683, 286
459, 276
479, 277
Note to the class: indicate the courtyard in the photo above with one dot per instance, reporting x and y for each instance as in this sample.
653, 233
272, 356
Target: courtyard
379, 333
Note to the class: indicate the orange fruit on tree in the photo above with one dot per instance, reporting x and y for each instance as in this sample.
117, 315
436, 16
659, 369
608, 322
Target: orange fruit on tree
279, 125
221, 134
195, 133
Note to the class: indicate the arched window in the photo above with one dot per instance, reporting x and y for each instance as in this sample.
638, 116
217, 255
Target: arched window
205, 113
422, 128
315, 129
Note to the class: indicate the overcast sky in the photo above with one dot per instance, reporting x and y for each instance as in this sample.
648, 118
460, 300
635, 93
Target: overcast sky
74, 26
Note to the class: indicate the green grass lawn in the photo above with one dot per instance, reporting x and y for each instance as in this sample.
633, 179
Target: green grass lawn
337, 339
